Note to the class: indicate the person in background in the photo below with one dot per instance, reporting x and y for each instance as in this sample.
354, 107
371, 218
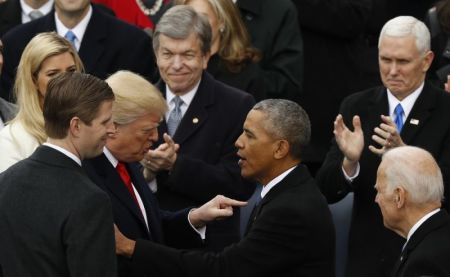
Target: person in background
47, 55
273, 28
204, 120
233, 60
16, 12
437, 20
141, 13
53, 220
102, 41
410, 191
7, 110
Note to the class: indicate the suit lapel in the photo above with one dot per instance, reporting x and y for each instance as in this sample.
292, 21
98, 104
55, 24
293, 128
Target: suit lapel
93, 43
378, 105
421, 111
115, 185
297, 176
197, 113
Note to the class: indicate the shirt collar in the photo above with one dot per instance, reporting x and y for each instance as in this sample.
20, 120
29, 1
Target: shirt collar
420, 222
78, 30
275, 181
110, 157
26, 9
407, 103
64, 151
187, 97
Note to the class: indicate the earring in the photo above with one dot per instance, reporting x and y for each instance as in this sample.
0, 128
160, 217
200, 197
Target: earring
221, 29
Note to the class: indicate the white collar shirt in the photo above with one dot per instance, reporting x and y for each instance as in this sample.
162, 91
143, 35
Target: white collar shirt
187, 99
64, 151
26, 9
79, 30
407, 103
275, 181
114, 163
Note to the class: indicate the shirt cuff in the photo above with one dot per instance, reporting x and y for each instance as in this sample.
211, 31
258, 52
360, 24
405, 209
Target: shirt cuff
200, 231
351, 178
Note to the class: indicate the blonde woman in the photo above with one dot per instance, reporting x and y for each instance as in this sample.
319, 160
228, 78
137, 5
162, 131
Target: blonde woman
234, 60
45, 56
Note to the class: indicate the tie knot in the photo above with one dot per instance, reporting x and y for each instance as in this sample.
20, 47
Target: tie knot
70, 36
35, 14
177, 101
398, 109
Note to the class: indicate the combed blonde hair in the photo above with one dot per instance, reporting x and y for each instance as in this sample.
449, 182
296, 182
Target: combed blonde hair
135, 97
41, 47
235, 48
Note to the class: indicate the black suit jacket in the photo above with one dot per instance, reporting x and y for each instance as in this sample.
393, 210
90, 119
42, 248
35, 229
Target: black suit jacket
207, 159
291, 235
432, 132
428, 249
53, 220
273, 29
10, 15
333, 45
173, 228
108, 45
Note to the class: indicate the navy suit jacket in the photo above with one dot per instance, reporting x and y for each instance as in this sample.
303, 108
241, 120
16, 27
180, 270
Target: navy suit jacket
292, 234
428, 127
428, 250
10, 15
171, 228
105, 47
207, 161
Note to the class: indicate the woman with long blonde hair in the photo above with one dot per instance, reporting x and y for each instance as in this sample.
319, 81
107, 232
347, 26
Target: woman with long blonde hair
45, 56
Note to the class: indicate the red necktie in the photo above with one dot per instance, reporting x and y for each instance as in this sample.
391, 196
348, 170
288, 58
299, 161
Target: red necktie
122, 170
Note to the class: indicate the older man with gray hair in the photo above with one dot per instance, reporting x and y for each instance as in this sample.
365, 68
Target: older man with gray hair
204, 118
407, 110
409, 192
290, 233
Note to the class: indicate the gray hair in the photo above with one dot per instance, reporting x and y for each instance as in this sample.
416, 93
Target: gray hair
416, 171
286, 120
402, 26
179, 22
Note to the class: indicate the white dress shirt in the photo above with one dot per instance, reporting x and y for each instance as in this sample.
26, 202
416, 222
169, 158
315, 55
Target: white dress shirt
78, 30
114, 163
64, 151
26, 9
275, 181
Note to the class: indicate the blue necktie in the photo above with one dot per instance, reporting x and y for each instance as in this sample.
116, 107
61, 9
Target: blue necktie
70, 36
399, 117
175, 116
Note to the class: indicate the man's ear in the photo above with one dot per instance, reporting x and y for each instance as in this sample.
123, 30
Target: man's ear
75, 126
116, 131
282, 148
400, 195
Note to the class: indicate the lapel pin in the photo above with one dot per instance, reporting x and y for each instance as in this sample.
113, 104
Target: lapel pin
195, 120
414, 121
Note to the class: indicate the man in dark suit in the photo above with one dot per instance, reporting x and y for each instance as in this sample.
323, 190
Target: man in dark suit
273, 28
102, 41
409, 192
290, 233
406, 110
137, 111
15, 12
53, 220
204, 124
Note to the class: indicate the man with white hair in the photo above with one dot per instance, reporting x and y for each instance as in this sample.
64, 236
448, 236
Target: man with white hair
405, 111
409, 192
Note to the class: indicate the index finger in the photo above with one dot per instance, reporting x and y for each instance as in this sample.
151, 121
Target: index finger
168, 139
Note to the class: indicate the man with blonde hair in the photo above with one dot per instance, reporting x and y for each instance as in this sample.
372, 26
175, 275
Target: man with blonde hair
409, 193
137, 111
406, 110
